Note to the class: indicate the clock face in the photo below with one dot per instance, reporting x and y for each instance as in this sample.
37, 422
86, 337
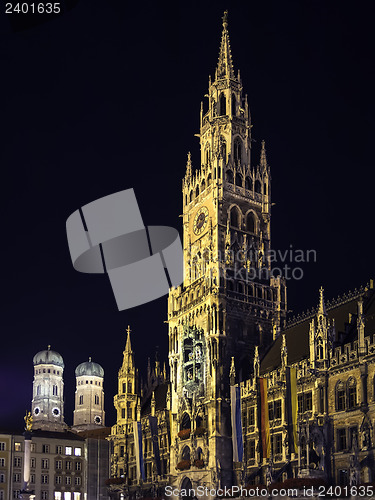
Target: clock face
55, 412
97, 419
200, 220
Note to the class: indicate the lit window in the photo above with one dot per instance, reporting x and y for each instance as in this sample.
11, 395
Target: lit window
57, 495
76, 495
67, 495
68, 450
77, 452
17, 446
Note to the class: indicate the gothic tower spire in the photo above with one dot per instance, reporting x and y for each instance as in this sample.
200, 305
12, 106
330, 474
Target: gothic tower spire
225, 63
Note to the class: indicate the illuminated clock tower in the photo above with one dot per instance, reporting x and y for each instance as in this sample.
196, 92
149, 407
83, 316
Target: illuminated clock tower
229, 301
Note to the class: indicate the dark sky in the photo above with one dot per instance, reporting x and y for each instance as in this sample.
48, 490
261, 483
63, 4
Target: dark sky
107, 96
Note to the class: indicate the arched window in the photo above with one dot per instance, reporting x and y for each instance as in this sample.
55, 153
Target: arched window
250, 222
124, 387
320, 350
191, 196
265, 188
241, 288
340, 397
214, 109
234, 102
96, 399
129, 387
230, 285
237, 149
203, 185
234, 218
54, 390
81, 400
223, 104
229, 176
186, 453
352, 393
38, 390
258, 186
248, 184
197, 192
209, 179
238, 180
185, 422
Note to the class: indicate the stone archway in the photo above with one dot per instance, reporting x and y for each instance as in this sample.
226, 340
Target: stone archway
187, 487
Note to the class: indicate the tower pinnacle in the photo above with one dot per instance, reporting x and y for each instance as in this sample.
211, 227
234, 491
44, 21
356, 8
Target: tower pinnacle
225, 64
263, 157
128, 346
322, 306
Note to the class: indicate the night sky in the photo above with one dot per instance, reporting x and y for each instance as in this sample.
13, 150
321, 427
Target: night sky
107, 96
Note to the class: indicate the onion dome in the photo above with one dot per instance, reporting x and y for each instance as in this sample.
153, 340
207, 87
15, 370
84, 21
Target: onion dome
48, 357
89, 368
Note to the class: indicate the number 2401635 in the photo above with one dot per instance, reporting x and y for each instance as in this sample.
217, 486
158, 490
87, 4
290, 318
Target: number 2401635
32, 8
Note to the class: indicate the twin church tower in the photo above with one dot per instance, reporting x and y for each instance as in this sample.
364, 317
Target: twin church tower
48, 394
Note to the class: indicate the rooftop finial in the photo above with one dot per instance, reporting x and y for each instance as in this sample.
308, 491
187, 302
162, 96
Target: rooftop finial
128, 330
322, 306
263, 157
49, 347
188, 165
225, 20
89, 359
128, 346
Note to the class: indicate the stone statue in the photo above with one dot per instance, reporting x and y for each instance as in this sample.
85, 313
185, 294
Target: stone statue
28, 418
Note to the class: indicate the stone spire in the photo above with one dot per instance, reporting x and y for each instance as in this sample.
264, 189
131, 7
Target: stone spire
188, 166
225, 64
263, 157
128, 346
322, 306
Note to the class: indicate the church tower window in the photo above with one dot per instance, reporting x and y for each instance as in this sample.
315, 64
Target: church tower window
234, 102
234, 217
237, 150
352, 393
340, 397
238, 180
223, 104
258, 186
81, 400
248, 184
229, 176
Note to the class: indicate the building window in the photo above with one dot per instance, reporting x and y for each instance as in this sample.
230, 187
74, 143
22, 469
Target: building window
342, 477
44, 479
78, 466
32, 447
59, 450
77, 481
2, 462
80, 402
251, 448
45, 448
341, 439
68, 450
123, 412
17, 477
305, 402
58, 464
2, 478
234, 217
270, 411
308, 401
44, 495
353, 437
278, 444
17, 461
250, 223
352, 393
57, 495
2, 446
32, 463
122, 451
124, 387
32, 478
68, 465
2, 495
340, 397
16, 493
237, 149
96, 399
17, 446
68, 480
58, 480
222, 104
129, 387
321, 399
77, 452
54, 390
45, 463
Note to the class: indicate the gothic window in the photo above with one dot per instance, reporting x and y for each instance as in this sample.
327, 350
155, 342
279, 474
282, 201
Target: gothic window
321, 399
223, 104
129, 410
214, 109
248, 183
123, 413
258, 186
203, 185
251, 415
341, 439
265, 188
251, 290
319, 349
129, 387
123, 387
186, 453
251, 449
38, 390
250, 223
234, 105
81, 400
96, 399
241, 288
191, 196
199, 453
54, 390
229, 176
234, 218
185, 422
237, 149
238, 180
230, 285
352, 393
209, 179
340, 397
207, 155
197, 192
